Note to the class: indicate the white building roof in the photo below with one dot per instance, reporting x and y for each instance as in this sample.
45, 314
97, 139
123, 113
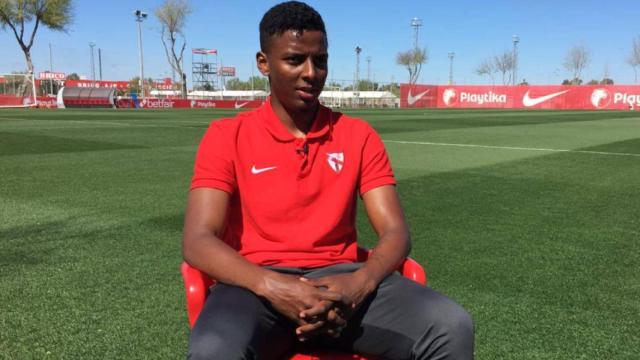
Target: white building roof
229, 93
361, 95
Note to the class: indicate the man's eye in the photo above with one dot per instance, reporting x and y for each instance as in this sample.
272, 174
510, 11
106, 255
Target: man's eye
321, 62
295, 59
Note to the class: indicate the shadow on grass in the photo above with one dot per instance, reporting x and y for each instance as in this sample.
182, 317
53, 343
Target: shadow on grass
631, 146
170, 223
391, 123
13, 143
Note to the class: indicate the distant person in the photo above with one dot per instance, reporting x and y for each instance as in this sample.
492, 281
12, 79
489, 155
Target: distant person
271, 215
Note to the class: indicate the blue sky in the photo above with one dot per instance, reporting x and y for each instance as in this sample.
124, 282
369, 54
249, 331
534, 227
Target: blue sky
474, 30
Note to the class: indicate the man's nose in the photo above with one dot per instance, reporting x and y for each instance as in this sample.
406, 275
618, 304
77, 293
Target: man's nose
309, 69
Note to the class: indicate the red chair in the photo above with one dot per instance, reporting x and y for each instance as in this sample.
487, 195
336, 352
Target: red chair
197, 285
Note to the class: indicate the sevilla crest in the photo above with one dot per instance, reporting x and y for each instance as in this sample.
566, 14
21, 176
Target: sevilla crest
336, 161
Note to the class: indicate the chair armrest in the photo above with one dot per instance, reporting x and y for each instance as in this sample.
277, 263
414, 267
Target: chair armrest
409, 267
413, 270
196, 285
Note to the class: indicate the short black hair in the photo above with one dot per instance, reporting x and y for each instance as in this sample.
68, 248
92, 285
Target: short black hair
290, 15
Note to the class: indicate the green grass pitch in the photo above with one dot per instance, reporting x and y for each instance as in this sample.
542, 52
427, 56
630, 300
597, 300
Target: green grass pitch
529, 219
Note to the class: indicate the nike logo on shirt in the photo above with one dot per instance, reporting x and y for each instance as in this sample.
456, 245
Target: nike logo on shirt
255, 170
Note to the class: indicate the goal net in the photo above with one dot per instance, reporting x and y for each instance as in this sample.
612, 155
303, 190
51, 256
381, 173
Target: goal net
17, 91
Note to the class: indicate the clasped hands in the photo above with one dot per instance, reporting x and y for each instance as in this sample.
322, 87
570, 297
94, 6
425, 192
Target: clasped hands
317, 306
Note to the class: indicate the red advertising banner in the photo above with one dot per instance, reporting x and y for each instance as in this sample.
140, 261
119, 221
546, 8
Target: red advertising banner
120, 85
164, 84
47, 75
49, 102
12, 100
43, 102
152, 103
587, 97
418, 95
228, 71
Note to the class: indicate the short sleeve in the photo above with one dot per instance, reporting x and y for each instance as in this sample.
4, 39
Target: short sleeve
214, 164
376, 168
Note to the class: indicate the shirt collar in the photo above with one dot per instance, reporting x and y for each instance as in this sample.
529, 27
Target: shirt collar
321, 124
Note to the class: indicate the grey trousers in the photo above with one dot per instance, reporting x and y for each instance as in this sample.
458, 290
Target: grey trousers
401, 320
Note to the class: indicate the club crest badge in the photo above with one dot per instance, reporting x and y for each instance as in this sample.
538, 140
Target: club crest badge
336, 161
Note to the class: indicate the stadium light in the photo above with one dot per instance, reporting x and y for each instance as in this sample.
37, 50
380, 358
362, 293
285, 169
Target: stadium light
356, 80
369, 71
93, 67
516, 40
451, 56
140, 16
415, 24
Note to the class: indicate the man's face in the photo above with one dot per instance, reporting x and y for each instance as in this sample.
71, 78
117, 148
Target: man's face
296, 64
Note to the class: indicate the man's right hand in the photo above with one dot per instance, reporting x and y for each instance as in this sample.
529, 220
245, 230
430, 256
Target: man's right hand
291, 297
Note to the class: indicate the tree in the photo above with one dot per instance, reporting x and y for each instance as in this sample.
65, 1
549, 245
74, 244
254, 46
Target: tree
134, 84
486, 68
504, 63
575, 81
236, 84
634, 57
367, 85
576, 60
172, 15
258, 83
413, 60
391, 87
73, 76
332, 85
16, 14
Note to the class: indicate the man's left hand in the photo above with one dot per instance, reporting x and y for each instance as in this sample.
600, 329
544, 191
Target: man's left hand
354, 287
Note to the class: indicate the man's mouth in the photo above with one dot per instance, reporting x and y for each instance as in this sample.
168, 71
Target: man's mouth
307, 93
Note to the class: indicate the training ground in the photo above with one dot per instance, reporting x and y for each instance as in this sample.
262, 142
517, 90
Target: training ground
529, 219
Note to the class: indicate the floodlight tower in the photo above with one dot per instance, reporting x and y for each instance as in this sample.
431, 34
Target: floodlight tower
451, 56
93, 67
356, 80
415, 24
369, 70
140, 16
516, 40
100, 63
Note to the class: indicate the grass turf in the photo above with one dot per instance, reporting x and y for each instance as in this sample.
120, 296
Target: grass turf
528, 219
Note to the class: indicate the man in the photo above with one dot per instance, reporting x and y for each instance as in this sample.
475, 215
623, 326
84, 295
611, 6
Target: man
271, 216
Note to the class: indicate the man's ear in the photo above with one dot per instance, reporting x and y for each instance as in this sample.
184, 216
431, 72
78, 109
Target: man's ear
263, 64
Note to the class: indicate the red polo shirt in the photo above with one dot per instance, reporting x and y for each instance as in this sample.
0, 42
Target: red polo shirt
293, 201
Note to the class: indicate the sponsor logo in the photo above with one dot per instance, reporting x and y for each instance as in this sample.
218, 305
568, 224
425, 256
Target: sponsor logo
600, 98
449, 97
336, 161
484, 98
632, 100
255, 170
413, 99
238, 106
48, 103
528, 101
156, 104
203, 104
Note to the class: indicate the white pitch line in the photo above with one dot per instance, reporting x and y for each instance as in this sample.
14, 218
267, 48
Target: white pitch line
512, 148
